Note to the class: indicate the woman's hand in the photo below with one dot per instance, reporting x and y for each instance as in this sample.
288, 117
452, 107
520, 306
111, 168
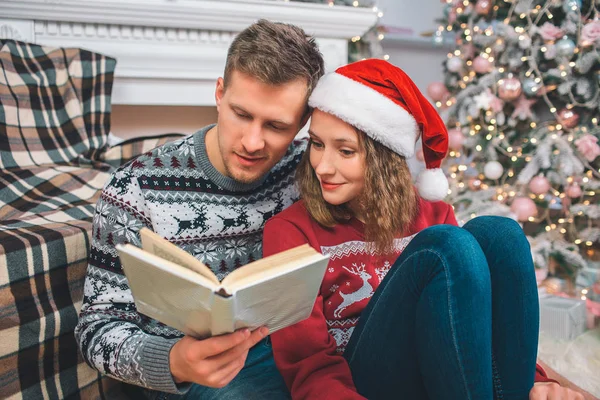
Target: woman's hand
553, 391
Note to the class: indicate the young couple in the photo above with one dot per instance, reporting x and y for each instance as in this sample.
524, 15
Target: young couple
411, 306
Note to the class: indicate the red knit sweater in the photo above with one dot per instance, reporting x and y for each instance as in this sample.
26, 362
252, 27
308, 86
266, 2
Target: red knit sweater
309, 353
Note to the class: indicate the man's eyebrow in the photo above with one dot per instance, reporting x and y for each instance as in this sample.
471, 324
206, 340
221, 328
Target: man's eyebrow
274, 121
238, 107
281, 122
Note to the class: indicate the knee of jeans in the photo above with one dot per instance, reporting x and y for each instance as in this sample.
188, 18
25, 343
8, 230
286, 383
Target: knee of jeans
460, 251
449, 241
444, 237
487, 221
504, 233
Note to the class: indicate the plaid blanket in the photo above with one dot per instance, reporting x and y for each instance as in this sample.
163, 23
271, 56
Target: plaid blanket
55, 102
54, 112
45, 227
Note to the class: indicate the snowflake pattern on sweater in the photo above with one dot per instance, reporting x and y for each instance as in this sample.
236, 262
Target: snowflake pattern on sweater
176, 192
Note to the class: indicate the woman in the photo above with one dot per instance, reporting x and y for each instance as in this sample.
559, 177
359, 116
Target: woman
411, 306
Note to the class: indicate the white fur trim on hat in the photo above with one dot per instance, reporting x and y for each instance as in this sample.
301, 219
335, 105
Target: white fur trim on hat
432, 184
368, 110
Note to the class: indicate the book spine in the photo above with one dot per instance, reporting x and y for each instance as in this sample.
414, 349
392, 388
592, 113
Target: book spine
222, 315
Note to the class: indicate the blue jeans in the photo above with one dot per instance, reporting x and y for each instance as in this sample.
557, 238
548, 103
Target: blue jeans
456, 317
258, 380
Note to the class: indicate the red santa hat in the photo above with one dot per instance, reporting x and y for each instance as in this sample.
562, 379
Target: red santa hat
382, 101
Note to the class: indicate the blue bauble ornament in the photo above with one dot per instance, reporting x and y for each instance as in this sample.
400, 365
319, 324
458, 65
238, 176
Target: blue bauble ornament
565, 47
571, 5
447, 9
554, 203
531, 87
438, 39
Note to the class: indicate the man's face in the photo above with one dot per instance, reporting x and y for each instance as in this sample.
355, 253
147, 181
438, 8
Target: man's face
256, 124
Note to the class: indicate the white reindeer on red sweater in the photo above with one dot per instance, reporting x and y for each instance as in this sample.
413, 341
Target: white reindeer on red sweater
365, 291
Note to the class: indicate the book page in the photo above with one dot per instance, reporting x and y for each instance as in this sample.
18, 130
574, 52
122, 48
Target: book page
155, 244
283, 299
167, 292
267, 267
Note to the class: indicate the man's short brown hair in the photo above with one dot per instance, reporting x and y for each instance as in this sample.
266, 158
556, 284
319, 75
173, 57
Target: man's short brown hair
275, 53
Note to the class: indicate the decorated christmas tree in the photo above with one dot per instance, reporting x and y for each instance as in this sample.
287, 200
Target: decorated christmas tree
521, 98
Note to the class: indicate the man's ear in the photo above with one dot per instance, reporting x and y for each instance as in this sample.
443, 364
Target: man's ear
219, 92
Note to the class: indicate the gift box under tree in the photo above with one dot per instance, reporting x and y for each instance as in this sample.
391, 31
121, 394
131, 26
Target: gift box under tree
562, 317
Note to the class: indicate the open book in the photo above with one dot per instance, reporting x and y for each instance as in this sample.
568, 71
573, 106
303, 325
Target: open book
173, 287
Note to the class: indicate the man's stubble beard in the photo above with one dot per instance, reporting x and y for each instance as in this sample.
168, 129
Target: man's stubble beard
243, 178
228, 171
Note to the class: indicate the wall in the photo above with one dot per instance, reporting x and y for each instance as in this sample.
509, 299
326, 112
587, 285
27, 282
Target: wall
407, 49
406, 46
135, 121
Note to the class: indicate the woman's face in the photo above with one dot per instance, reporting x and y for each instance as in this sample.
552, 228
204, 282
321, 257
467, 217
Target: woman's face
337, 159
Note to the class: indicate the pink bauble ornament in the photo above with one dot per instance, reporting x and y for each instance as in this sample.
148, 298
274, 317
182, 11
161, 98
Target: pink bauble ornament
568, 118
523, 207
437, 91
452, 17
455, 139
419, 155
454, 64
483, 7
482, 65
509, 88
574, 191
539, 185
474, 184
540, 274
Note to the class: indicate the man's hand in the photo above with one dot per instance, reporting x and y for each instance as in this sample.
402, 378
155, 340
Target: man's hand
553, 391
215, 361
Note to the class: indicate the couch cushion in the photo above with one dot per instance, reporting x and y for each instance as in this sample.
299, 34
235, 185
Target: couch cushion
45, 233
54, 104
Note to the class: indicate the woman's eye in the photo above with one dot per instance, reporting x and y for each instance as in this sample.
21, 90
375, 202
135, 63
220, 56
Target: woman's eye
316, 144
347, 152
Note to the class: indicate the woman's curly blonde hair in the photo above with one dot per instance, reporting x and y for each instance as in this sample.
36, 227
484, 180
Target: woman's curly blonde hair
389, 200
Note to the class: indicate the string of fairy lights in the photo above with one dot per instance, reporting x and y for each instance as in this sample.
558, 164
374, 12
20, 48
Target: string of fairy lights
565, 120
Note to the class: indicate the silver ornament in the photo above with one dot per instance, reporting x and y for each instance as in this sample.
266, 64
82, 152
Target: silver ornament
493, 170
438, 39
565, 47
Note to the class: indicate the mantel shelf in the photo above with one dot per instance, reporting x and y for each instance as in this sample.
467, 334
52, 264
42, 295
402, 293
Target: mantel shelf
170, 52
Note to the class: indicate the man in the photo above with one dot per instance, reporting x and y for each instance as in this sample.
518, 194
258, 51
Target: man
211, 194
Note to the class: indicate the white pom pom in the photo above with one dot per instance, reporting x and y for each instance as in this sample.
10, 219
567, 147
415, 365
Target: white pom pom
432, 184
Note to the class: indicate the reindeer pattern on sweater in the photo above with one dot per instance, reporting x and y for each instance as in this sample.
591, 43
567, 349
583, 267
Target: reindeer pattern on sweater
353, 274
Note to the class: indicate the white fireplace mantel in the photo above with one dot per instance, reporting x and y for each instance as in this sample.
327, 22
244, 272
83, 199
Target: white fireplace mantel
170, 52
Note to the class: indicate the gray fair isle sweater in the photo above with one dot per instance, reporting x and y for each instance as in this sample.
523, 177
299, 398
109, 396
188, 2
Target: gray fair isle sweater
175, 191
